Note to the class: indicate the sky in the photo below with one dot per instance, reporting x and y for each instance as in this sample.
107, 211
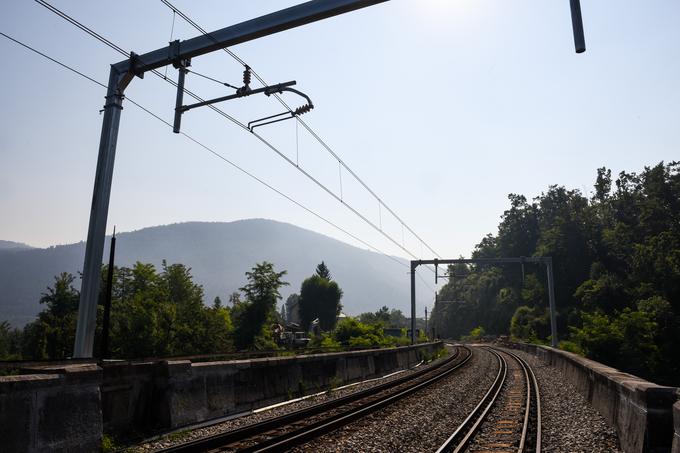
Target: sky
442, 107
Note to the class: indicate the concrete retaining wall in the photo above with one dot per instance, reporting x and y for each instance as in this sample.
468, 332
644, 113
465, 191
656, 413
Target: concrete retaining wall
195, 392
641, 412
68, 407
55, 409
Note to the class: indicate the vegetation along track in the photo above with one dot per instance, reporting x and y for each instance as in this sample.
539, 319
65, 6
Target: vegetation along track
295, 428
508, 417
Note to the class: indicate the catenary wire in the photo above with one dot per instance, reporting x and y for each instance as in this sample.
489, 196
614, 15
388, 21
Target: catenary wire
304, 124
212, 79
218, 155
122, 51
119, 49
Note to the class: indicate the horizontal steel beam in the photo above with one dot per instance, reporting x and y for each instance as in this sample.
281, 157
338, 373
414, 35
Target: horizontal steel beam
249, 30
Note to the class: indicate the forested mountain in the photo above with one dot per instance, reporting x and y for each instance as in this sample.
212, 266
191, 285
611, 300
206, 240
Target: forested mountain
10, 245
616, 256
219, 254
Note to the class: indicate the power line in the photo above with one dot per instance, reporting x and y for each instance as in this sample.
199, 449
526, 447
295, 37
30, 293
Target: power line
120, 50
211, 79
214, 153
304, 124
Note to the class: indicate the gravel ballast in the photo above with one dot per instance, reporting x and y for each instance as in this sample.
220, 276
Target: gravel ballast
420, 422
570, 424
424, 420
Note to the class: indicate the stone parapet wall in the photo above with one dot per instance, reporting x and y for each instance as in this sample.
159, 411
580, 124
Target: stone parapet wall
55, 408
641, 411
195, 392
67, 407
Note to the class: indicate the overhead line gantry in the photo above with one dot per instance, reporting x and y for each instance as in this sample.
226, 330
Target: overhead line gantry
179, 54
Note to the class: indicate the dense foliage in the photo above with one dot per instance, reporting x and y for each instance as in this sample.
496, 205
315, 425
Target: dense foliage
617, 273
351, 333
153, 314
385, 317
251, 316
320, 298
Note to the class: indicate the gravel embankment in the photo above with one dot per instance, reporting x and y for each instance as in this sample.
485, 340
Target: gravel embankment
189, 434
570, 424
422, 421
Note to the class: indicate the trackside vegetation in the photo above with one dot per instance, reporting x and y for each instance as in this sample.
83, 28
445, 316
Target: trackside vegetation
616, 253
161, 313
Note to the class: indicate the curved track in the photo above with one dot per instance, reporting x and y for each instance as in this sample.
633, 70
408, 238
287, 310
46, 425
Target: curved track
287, 431
516, 404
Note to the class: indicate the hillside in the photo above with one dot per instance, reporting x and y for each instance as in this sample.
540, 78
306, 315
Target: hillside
219, 254
10, 245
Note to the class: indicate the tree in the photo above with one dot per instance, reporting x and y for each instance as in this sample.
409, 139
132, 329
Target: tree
603, 184
319, 298
153, 315
10, 342
322, 271
261, 293
235, 298
616, 257
52, 335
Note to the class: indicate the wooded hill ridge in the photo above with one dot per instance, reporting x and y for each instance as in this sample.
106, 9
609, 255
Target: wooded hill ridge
218, 253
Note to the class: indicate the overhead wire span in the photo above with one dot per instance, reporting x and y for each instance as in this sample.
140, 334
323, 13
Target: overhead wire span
216, 154
211, 79
191, 22
120, 50
126, 54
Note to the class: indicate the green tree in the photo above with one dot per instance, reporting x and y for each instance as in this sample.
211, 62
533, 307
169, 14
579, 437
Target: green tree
261, 293
10, 342
319, 298
323, 272
52, 334
153, 315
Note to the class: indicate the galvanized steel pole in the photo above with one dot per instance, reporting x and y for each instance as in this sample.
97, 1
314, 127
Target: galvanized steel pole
94, 248
551, 299
414, 265
120, 76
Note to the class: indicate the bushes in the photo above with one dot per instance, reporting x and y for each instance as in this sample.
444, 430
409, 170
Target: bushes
475, 334
353, 334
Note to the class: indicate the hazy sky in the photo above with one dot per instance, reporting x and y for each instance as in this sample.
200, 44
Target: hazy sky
443, 107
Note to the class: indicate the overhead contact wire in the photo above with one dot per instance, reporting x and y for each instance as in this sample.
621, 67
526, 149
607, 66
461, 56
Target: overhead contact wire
304, 124
120, 50
215, 153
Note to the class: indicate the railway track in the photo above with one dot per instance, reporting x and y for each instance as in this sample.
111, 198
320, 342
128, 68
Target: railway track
514, 401
298, 427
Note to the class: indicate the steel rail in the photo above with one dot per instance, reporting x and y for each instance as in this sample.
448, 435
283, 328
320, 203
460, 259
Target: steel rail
532, 382
318, 429
471, 424
240, 434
